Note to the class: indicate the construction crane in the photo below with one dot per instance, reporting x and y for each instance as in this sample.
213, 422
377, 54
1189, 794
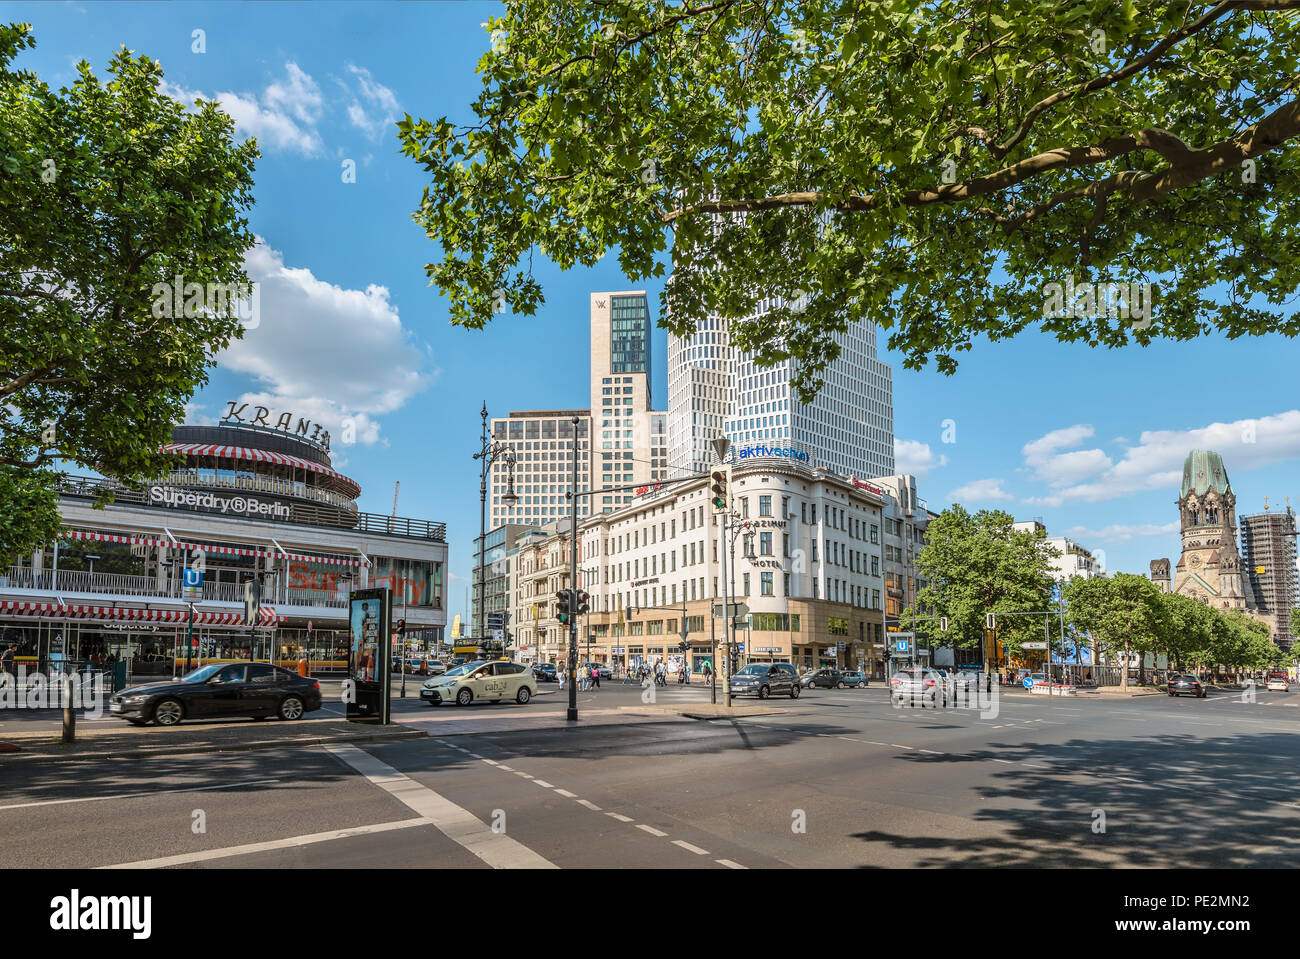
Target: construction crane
396, 486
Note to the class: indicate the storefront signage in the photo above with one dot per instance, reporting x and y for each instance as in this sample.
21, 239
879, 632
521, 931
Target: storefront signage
766, 564
244, 505
258, 417
766, 523
866, 486
642, 490
644, 582
789, 452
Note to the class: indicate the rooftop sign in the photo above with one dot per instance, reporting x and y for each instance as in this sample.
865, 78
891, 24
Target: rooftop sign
258, 417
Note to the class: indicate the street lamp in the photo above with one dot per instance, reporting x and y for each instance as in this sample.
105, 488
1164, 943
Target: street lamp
488, 455
90, 558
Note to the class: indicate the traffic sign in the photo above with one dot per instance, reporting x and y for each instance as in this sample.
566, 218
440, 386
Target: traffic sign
1028, 682
499, 635
1041, 645
737, 610
901, 646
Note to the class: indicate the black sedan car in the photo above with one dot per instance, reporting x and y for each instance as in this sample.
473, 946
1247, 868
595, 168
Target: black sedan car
1184, 685
258, 690
824, 677
545, 673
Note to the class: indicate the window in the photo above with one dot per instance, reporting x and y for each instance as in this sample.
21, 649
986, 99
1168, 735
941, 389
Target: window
785, 545
785, 586
765, 506
875, 566
766, 582
746, 584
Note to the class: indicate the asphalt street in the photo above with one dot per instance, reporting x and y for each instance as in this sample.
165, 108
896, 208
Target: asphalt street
838, 778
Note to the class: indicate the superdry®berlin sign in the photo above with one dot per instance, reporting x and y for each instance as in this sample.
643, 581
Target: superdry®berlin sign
247, 505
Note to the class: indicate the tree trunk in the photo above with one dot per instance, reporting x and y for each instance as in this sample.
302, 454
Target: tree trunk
1123, 672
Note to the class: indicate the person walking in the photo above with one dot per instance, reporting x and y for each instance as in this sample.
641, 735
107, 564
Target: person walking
595, 676
7, 664
562, 676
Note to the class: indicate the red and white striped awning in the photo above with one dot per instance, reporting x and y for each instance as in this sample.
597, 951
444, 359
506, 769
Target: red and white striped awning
262, 456
198, 547
267, 619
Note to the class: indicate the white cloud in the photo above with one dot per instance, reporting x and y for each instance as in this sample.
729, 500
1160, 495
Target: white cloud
1156, 462
330, 354
380, 109
984, 490
915, 457
194, 415
1120, 533
1061, 469
283, 117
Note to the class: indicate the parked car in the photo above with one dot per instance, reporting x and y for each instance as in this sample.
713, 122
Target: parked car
766, 679
1181, 684
916, 684
493, 681
1278, 685
258, 690
825, 677
545, 673
856, 679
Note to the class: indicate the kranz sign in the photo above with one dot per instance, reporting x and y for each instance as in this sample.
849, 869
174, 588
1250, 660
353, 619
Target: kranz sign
305, 428
245, 505
789, 452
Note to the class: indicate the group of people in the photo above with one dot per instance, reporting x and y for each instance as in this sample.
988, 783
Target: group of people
587, 677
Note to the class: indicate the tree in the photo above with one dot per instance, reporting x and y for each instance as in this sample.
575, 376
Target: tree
1123, 612
1190, 632
120, 271
931, 167
979, 564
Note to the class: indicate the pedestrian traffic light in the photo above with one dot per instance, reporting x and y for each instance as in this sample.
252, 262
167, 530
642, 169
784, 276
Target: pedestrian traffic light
401, 627
721, 489
582, 604
563, 606
990, 621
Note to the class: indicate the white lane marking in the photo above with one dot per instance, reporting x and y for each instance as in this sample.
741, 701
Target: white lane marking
490, 762
252, 847
729, 864
614, 815
520, 772
900, 746
160, 792
689, 848
508, 769
566, 794
651, 830
543, 783
931, 752
1007, 761
589, 804
456, 823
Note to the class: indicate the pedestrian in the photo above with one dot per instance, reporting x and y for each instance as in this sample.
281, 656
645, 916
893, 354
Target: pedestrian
562, 676
595, 676
7, 664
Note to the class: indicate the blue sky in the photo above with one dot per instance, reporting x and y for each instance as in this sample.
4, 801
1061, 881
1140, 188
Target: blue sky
1091, 441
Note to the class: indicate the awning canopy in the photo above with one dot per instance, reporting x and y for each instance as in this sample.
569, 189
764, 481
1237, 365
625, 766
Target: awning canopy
268, 619
199, 547
262, 456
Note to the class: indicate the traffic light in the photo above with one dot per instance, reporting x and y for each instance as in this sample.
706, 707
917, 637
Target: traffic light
563, 606
401, 627
583, 603
720, 489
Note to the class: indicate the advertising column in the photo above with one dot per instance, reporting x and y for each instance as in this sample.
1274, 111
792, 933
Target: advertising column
369, 658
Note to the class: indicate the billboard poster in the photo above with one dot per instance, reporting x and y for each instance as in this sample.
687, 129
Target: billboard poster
369, 648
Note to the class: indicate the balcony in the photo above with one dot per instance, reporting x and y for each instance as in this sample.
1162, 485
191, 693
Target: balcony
125, 584
209, 479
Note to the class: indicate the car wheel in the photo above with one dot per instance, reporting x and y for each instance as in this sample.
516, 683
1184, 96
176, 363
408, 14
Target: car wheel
794, 691
842, 685
464, 697
523, 696
169, 712
1201, 696
291, 708
763, 692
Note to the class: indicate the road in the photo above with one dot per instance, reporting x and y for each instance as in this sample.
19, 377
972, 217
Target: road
838, 778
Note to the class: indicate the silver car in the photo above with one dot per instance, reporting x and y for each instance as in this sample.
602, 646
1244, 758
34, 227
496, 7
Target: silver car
928, 687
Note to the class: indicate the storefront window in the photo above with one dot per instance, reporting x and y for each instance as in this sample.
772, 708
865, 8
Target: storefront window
413, 582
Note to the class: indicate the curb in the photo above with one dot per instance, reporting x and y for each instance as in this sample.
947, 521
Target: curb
39, 758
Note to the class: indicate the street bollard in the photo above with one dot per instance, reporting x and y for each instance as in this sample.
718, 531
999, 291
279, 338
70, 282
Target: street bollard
69, 714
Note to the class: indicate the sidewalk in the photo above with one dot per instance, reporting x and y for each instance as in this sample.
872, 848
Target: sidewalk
113, 741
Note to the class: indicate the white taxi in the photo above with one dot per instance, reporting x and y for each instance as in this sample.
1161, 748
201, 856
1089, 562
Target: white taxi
493, 681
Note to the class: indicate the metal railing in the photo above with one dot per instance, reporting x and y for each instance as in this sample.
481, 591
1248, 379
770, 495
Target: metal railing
260, 484
304, 514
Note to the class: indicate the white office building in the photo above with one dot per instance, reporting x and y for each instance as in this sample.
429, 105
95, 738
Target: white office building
715, 389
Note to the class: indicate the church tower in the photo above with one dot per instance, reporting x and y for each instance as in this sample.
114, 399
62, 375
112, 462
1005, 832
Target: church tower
1210, 567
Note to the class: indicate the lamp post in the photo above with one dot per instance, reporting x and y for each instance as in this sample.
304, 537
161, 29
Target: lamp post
488, 454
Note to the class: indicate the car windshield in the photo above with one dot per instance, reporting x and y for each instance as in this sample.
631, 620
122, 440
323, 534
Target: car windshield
201, 674
754, 669
466, 669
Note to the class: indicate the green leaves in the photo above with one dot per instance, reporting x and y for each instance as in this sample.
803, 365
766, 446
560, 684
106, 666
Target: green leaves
117, 188
781, 113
